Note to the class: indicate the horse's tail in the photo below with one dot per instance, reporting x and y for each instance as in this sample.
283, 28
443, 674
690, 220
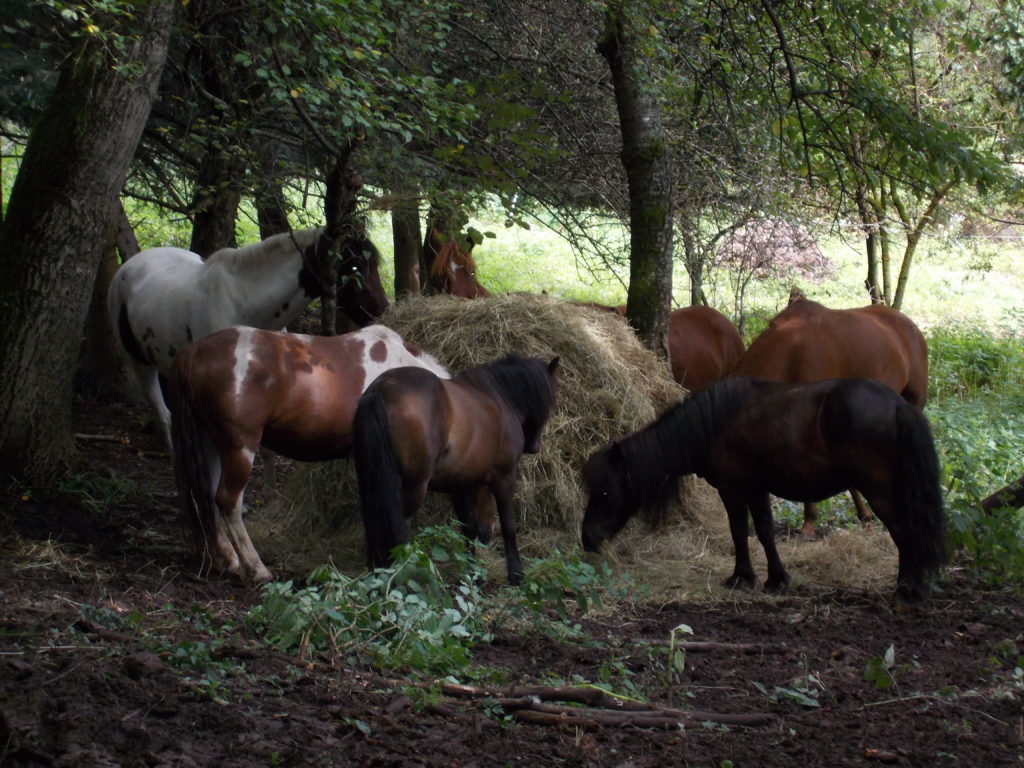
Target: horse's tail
920, 493
193, 456
380, 483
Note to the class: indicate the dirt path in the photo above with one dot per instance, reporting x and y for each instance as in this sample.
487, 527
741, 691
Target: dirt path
110, 656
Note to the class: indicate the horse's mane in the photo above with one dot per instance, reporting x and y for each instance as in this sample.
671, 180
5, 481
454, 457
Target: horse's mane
450, 253
522, 382
273, 247
361, 243
677, 443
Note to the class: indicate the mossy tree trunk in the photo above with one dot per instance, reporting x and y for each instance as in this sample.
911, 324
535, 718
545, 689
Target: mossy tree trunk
645, 155
56, 229
405, 227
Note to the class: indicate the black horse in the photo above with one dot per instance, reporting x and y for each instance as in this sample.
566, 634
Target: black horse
803, 442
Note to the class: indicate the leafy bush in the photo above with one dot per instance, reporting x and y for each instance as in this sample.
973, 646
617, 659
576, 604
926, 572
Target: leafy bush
979, 449
964, 362
422, 612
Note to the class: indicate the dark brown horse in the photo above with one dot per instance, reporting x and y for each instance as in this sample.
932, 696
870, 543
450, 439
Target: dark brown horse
415, 431
452, 268
810, 342
804, 442
241, 388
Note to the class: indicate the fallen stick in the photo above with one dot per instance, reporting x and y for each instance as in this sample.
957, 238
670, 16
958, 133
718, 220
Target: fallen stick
1011, 495
532, 703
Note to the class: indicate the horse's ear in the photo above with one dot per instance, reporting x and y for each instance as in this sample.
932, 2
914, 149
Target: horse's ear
435, 239
553, 365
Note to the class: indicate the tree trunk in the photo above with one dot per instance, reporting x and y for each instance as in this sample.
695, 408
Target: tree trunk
867, 221
343, 184
215, 204
405, 228
269, 198
914, 232
60, 208
102, 371
645, 155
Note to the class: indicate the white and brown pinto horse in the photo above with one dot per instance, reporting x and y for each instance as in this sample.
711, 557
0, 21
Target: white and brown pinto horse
242, 387
164, 298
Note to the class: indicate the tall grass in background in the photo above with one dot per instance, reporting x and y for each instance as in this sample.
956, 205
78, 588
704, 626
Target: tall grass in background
976, 385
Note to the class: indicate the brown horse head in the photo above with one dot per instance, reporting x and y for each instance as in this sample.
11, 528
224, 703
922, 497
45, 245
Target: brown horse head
360, 290
453, 269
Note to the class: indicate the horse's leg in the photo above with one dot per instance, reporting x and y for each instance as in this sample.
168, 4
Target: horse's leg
223, 555
761, 511
503, 490
467, 510
464, 504
736, 507
863, 510
237, 465
911, 586
149, 384
269, 469
810, 530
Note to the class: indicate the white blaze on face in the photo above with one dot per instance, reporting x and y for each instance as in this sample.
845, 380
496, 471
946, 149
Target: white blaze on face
243, 355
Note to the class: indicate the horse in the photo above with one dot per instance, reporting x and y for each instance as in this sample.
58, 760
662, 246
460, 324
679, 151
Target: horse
703, 346
415, 431
805, 442
810, 342
164, 298
452, 269
244, 387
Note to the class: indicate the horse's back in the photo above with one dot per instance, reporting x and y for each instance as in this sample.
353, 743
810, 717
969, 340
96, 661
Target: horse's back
809, 342
703, 345
148, 297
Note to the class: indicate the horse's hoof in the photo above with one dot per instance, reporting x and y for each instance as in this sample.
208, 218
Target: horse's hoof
515, 579
776, 587
261, 577
735, 581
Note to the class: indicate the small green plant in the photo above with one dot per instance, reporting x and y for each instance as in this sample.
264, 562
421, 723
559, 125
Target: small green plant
561, 579
676, 653
880, 669
94, 492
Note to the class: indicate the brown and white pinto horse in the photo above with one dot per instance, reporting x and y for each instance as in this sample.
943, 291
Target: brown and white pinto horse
164, 298
452, 269
810, 342
242, 387
415, 431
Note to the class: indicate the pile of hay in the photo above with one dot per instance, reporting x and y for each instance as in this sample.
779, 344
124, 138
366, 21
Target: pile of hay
609, 385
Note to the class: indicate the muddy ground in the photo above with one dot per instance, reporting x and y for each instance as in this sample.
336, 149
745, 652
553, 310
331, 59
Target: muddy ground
99, 616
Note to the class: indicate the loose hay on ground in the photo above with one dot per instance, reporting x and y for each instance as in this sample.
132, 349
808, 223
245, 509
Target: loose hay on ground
609, 385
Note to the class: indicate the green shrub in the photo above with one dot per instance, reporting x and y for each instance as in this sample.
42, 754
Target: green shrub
422, 612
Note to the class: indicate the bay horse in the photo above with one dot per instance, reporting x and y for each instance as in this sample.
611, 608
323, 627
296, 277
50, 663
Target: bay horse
805, 442
244, 387
415, 431
452, 268
164, 298
809, 342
